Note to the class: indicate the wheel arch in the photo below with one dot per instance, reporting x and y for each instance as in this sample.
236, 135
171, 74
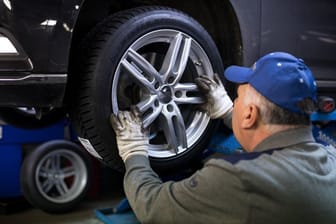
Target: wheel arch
208, 13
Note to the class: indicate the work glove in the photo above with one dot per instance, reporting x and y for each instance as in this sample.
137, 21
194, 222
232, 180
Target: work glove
219, 104
131, 138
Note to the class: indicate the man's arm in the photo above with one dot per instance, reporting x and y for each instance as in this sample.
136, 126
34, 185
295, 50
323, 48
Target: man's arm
213, 194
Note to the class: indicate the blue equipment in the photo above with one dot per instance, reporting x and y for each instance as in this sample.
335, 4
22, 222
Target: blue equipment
11, 141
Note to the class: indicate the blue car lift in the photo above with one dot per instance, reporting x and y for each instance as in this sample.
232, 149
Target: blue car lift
225, 143
12, 140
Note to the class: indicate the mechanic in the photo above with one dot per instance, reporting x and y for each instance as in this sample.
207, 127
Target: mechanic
283, 177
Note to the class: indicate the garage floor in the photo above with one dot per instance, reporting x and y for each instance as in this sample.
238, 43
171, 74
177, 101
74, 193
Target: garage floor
84, 214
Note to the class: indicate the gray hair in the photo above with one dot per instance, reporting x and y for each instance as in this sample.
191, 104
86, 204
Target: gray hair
272, 114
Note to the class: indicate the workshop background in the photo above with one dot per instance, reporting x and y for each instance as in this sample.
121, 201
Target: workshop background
65, 66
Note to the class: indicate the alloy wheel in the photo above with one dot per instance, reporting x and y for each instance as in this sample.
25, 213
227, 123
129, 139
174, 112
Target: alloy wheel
61, 176
156, 74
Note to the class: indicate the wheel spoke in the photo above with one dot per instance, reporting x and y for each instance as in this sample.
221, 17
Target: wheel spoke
61, 187
181, 94
47, 165
47, 185
43, 172
173, 127
56, 162
176, 59
143, 72
68, 172
151, 108
144, 65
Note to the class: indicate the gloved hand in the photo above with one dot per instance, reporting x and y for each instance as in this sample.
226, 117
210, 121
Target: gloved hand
219, 104
131, 138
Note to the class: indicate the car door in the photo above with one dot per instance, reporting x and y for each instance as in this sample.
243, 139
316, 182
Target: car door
305, 28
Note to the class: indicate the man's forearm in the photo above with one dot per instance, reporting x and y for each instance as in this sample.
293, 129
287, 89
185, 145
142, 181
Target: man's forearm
142, 187
185, 201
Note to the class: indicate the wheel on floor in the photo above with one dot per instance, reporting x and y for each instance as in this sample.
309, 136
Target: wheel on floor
55, 176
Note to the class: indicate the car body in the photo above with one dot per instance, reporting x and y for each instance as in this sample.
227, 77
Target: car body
39, 40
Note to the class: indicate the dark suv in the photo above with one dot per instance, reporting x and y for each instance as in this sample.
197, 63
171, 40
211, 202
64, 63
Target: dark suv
91, 58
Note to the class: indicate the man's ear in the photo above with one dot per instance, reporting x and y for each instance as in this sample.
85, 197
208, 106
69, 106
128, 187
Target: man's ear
250, 116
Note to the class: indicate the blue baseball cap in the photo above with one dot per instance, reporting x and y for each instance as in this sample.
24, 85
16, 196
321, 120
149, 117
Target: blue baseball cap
280, 77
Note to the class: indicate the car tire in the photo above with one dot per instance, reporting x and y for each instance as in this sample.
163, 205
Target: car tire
55, 176
118, 61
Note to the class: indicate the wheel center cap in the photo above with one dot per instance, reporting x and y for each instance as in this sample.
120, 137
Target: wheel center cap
165, 94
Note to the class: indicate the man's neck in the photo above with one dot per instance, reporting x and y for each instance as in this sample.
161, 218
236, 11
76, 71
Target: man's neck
263, 132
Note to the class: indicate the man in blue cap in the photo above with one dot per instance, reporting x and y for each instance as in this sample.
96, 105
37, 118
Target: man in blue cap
285, 176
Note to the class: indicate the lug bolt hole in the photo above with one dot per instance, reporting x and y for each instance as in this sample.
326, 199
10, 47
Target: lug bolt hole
170, 108
178, 94
171, 79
